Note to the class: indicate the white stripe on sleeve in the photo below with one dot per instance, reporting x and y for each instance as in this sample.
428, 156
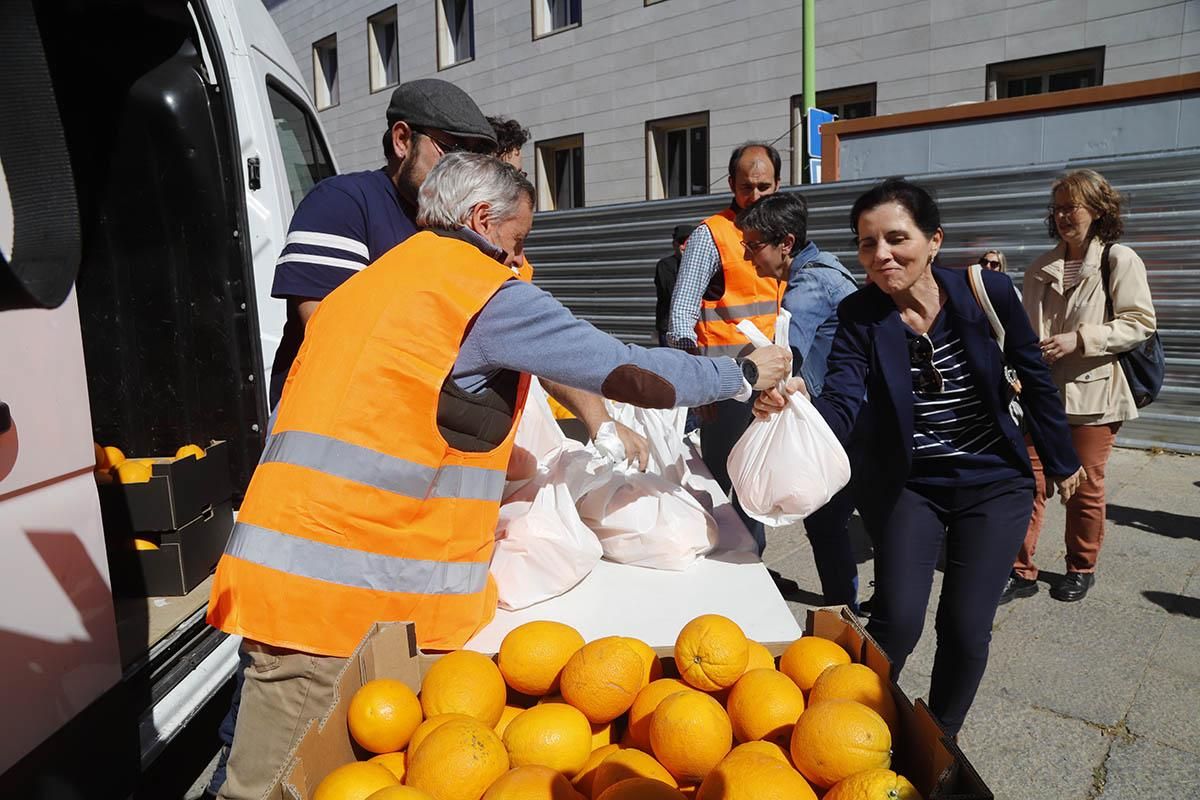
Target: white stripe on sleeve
330, 240
305, 258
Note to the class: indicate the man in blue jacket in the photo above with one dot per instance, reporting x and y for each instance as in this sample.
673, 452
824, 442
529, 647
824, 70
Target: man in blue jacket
776, 240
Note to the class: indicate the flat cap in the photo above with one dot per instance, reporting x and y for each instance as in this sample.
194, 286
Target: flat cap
433, 103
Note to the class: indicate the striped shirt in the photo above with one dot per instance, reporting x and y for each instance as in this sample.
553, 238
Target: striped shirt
955, 438
1071, 270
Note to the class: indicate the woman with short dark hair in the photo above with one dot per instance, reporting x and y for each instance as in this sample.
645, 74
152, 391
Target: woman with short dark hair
916, 364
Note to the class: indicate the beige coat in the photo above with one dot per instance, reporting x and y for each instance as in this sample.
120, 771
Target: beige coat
1091, 381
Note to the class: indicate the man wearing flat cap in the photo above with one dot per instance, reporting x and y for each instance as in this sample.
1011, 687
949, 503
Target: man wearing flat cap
348, 221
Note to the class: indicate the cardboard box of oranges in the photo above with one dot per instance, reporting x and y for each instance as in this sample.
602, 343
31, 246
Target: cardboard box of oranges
716, 717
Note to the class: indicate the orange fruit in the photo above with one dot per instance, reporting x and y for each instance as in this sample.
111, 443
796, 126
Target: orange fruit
464, 682
754, 777
144, 544
761, 748
429, 726
383, 715
193, 450
400, 793
874, 784
625, 764
531, 782
108, 457
837, 738
532, 655
760, 657
355, 781
807, 657
602, 734
587, 775
129, 471
641, 789
711, 652
764, 704
553, 735
508, 715
690, 733
395, 763
653, 665
855, 682
602, 679
643, 706
459, 760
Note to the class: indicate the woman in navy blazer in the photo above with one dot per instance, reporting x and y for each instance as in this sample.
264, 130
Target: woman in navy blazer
916, 370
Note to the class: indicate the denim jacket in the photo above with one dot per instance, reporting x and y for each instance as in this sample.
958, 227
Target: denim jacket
817, 284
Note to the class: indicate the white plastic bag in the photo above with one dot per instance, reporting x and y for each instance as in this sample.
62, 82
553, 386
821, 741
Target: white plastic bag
645, 519
543, 548
791, 464
663, 430
538, 432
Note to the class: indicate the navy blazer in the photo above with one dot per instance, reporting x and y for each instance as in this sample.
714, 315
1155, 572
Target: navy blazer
868, 386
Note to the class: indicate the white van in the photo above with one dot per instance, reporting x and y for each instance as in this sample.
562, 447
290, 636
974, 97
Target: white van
151, 154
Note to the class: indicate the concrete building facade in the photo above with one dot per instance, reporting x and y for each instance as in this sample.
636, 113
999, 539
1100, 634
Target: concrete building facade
639, 99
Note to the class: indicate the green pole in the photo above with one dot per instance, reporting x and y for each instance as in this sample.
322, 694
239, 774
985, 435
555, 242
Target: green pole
810, 76
810, 55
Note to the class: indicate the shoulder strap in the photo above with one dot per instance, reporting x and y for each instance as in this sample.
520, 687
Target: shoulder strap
975, 278
1105, 277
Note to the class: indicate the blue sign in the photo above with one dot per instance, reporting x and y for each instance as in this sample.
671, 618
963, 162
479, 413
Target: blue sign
813, 120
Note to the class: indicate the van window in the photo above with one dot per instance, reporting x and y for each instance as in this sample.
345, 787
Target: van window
305, 157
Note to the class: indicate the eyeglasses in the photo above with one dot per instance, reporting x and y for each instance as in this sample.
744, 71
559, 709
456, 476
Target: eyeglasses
920, 356
444, 145
989, 263
754, 247
1063, 211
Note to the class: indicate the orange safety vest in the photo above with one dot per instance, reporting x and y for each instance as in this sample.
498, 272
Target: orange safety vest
359, 511
525, 273
747, 296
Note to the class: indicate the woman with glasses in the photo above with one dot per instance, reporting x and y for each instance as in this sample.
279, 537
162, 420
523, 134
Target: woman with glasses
1084, 318
915, 362
994, 260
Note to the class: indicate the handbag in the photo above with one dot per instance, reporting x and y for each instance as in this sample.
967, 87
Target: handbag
975, 278
1144, 366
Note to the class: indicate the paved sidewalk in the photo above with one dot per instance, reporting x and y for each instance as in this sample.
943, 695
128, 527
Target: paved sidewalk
1096, 699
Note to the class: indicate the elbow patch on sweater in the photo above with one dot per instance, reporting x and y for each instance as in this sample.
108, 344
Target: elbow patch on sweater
636, 386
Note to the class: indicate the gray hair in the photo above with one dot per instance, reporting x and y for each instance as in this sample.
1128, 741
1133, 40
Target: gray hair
461, 181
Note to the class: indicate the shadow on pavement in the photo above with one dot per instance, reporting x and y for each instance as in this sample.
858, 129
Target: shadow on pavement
1175, 603
792, 591
1163, 523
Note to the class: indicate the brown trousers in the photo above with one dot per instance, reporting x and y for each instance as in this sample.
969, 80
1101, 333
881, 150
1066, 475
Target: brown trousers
284, 689
1085, 510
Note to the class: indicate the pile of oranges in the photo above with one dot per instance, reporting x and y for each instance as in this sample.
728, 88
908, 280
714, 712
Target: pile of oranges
555, 718
111, 463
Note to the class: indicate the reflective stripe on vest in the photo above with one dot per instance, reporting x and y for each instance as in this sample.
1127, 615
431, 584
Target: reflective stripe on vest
391, 474
746, 296
325, 562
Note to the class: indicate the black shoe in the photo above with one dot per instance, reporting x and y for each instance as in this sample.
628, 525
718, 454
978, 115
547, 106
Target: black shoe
1016, 586
1074, 586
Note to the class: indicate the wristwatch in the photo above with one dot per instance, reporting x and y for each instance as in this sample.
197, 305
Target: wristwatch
749, 371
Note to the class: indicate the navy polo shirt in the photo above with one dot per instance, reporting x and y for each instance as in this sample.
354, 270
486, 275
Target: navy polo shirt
341, 226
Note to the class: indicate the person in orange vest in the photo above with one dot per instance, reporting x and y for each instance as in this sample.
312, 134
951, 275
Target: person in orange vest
378, 491
587, 408
718, 287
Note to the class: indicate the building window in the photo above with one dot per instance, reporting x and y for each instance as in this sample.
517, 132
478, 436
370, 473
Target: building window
383, 54
559, 171
1075, 70
551, 16
677, 157
325, 72
305, 158
848, 102
456, 32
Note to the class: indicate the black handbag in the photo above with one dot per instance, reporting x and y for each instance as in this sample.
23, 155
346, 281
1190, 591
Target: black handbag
1144, 366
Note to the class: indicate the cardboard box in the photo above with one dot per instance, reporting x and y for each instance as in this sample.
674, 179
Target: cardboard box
178, 492
184, 558
922, 751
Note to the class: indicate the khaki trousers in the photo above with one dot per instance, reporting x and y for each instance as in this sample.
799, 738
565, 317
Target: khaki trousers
284, 689
1085, 510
